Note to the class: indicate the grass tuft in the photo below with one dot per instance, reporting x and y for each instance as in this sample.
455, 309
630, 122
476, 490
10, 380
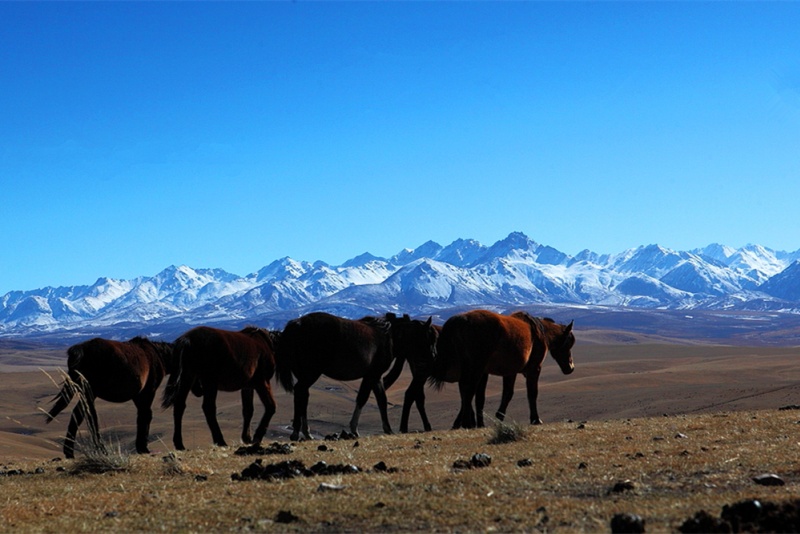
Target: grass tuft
97, 460
507, 433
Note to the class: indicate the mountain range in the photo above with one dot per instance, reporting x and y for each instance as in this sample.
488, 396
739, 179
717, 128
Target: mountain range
515, 272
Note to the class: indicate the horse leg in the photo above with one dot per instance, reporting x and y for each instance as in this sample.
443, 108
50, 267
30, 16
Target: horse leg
380, 396
414, 394
480, 399
532, 382
247, 413
508, 393
408, 400
466, 417
300, 421
419, 396
144, 415
210, 411
178, 407
74, 422
264, 391
92, 421
361, 400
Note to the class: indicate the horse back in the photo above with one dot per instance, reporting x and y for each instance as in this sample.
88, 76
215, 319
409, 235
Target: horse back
229, 359
115, 370
493, 343
342, 349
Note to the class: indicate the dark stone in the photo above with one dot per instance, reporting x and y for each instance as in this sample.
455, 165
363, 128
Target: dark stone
623, 486
627, 524
748, 516
768, 480
480, 460
525, 462
258, 450
286, 516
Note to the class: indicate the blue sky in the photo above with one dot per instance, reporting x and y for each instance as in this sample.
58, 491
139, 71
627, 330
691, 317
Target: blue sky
134, 136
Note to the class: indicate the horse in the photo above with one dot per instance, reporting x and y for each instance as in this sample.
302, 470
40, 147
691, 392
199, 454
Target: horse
211, 360
319, 344
420, 364
478, 343
116, 371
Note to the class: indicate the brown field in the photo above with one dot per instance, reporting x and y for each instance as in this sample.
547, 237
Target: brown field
688, 424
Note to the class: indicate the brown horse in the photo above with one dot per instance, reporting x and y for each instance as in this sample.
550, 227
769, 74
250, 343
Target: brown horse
420, 364
211, 360
322, 344
116, 371
478, 343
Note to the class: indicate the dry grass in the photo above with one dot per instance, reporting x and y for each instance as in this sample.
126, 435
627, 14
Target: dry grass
677, 466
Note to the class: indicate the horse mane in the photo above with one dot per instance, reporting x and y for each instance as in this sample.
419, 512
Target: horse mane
378, 323
263, 333
536, 322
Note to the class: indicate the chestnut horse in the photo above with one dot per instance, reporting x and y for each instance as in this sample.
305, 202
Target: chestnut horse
478, 343
343, 349
211, 360
116, 371
420, 364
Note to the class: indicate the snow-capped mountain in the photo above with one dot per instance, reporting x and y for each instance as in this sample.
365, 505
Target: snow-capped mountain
430, 279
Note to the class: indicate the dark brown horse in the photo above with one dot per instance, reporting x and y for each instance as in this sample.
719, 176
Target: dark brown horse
479, 343
212, 360
116, 371
322, 344
420, 363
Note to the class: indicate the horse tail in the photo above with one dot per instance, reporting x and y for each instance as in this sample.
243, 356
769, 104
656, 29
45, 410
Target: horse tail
70, 384
284, 355
446, 366
174, 381
392, 376
61, 400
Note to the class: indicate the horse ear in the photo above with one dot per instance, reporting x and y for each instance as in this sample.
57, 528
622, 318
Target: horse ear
568, 329
390, 316
429, 322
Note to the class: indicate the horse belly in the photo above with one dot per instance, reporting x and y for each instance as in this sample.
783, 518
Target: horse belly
503, 364
121, 389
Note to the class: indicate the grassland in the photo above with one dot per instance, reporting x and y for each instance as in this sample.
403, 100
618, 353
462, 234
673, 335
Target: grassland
676, 466
688, 426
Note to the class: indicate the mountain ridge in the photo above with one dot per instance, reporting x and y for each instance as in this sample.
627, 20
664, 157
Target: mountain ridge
516, 271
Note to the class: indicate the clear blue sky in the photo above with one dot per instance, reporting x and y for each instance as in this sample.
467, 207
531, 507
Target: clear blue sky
134, 136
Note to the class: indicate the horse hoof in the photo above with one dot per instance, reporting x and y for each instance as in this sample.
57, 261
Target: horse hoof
536, 422
294, 437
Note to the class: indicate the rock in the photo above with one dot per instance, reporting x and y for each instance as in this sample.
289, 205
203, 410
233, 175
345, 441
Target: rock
286, 516
480, 460
769, 480
627, 524
748, 516
330, 487
258, 450
703, 522
623, 486
525, 462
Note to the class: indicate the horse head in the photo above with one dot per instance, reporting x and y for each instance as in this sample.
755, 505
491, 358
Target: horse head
561, 348
413, 339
